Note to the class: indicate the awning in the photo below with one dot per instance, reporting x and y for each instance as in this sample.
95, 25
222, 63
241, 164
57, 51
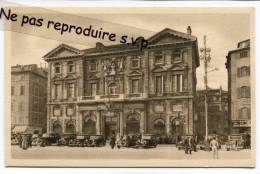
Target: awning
27, 129
18, 129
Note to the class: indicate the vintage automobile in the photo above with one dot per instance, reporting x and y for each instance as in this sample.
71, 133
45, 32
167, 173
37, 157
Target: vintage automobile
49, 139
65, 138
81, 140
95, 141
148, 141
14, 139
235, 142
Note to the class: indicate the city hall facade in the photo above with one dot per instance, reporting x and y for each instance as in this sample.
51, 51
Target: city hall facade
122, 89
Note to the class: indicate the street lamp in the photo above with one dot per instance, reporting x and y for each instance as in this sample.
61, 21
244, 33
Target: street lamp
205, 56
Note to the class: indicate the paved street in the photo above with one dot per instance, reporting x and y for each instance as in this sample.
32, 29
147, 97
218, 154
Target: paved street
161, 152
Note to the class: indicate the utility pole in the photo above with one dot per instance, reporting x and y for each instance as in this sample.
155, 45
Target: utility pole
205, 56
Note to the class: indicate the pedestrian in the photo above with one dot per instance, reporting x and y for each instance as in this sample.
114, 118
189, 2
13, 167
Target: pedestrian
112, 140
214, 146
29, 140
119, 141
186, 145
24, 142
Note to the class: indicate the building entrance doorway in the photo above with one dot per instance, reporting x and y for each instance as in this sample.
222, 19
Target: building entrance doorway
110, 128
57, 129
132, 128
89, 127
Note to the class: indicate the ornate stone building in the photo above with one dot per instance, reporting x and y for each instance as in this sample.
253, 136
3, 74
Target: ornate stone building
239, 82
123, 89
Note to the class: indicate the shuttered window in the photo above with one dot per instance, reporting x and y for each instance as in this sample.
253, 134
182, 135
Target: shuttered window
243, 92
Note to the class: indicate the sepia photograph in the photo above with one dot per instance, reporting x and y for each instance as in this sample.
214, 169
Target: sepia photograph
129, 87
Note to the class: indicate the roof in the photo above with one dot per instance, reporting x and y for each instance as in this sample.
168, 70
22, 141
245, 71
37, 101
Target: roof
182, 38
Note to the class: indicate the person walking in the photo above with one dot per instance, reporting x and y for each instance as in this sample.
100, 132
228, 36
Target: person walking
113, 140
24, 142
214, 145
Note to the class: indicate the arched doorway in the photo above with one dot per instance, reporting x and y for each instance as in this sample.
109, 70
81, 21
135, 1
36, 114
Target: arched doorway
70, 128
133, 123
159, 126
57, 128
89, 126
177, 129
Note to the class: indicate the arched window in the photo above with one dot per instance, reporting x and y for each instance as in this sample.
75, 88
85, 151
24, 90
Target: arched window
70, 127
57, 127
57, 68
159, 126
245, 113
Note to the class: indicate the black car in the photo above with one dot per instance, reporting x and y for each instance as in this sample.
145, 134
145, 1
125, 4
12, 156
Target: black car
65, 138
148, 141
96, 141
50, 139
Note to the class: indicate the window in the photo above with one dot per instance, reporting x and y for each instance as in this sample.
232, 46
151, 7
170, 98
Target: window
21, 107
177, 84
93, 66
244, 54
93, 89
12, 90
158, 84
57, 68
135, 62
71, 90
243, 71
245, 113
176, 56
21, 90
57, 92
243, 92
158, 56
71, 67
135, 86
112, 89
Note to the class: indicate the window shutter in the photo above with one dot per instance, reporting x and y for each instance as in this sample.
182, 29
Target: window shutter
248, 70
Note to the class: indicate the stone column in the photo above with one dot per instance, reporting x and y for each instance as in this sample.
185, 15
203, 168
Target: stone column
80, 122
142, 122
98, 121
167, 119
77, 118
63, 119
121, 118
48, 119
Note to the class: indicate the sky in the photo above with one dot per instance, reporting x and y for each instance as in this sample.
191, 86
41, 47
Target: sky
223, 30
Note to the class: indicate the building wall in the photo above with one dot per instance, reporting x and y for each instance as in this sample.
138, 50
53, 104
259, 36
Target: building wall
29, 108
104, 109
239, 122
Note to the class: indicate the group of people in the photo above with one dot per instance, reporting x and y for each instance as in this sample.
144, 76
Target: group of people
24, 141
190, 144
127, 141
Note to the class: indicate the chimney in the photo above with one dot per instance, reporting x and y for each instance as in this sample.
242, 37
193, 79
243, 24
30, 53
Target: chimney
189, 30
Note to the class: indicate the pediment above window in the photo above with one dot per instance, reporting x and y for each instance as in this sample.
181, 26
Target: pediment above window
159, 69
63, 51
135, 73
177, 68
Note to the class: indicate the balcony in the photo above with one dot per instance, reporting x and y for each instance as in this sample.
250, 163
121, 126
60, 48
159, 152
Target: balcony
112, 97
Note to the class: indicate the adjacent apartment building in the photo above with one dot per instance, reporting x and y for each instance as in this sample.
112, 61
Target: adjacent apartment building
122, 89
218, 120
239, 87
28, 99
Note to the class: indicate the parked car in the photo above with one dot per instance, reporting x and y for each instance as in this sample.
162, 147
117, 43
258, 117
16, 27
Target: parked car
148, 141
81, 140
235, 142
50, 139
65, 138
96, 141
